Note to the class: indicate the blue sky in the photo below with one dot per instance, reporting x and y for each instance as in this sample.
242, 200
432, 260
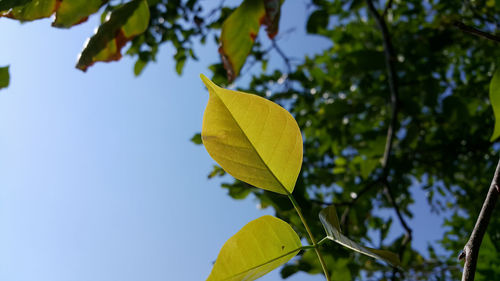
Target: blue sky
98, 178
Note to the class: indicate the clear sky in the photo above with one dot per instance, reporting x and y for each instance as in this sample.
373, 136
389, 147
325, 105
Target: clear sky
98, 178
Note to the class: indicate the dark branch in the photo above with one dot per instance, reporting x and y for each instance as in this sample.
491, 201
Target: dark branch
390, 59
285, 58
344, 219
471, 249
408, 230
474, 31
388, 6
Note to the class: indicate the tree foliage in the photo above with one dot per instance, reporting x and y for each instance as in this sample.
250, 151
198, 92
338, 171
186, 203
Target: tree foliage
340, 98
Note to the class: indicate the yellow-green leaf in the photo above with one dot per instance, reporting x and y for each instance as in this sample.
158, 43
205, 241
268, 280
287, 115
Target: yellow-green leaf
31, 10
330, 221
73, 12
259, 247
253, 139
124, 23
495, 102
68, 13
4, 77
240, 29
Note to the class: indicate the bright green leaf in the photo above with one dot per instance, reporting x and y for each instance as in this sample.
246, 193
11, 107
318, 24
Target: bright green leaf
125, 23
4, 77
73, 12
139, 67
252, 138
259, 247
240, 29
495, 102
330, 221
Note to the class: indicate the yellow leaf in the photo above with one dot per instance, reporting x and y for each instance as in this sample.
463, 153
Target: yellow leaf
252, 138
259, 247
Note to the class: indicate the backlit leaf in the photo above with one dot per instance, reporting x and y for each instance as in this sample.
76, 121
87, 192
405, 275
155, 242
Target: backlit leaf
68, 13
259, 247
495, 102
240, 29
124, 23
73, 12
4, 77
32, 10
252, 138
330, 221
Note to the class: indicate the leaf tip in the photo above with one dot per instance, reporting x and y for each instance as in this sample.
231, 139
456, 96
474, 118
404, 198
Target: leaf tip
208, 83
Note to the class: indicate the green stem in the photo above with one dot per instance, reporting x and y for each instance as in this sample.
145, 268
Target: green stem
323, 240
313, 241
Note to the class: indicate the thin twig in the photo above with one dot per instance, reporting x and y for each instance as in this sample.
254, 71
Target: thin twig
283, 56
474, 31
392, 79
408, 230
336, 204
286, 60
471, 249
344, 219
388, 6
390, 58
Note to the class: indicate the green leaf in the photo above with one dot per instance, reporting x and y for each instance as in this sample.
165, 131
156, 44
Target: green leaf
367, 166
330, 221
31, 10
252, 138
240, 29
73, 12
68, 13
259, 247
196, 139
9, 4
495, 102
317, 21
125, 23
4, 77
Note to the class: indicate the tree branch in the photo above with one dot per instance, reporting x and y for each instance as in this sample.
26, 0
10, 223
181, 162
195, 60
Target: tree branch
388, 6
285, 58
471, 249
474, 31
392, 79
344, 219
408, 230
390, 58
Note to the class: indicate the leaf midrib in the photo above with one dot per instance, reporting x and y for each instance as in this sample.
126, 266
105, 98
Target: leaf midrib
264, 263
253, 146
